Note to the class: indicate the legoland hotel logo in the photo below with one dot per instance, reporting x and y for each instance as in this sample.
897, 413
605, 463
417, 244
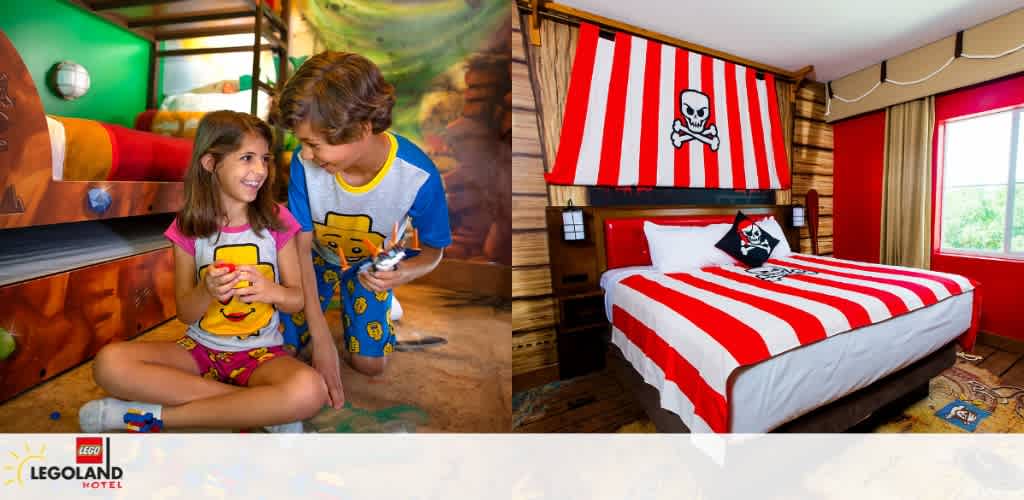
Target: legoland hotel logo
92, 466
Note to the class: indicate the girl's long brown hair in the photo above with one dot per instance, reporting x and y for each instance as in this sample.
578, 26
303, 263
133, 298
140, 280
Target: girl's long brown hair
220, 133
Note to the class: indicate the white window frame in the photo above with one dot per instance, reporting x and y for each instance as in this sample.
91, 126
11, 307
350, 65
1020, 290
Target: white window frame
1015, 123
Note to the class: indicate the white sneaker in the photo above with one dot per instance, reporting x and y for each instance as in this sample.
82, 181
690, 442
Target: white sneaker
396, 309
111, 414
289, 428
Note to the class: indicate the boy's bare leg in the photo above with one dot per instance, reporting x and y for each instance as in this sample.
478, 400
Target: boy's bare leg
367, 365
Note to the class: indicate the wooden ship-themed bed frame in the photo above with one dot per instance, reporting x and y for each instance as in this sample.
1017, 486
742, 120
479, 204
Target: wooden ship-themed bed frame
84, 263
576, 270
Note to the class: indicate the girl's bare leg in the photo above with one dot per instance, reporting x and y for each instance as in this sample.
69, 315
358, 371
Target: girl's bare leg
280, 391
153, 372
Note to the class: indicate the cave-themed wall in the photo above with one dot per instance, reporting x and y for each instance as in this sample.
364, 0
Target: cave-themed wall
450, 62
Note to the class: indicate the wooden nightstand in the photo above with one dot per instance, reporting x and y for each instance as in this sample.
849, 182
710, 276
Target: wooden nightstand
581, 327
583, 333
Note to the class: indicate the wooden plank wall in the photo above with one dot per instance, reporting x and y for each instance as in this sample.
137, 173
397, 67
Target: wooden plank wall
812, 161
534, 356
551, 64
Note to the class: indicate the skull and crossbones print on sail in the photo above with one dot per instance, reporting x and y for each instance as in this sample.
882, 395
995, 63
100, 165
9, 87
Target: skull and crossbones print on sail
695, 108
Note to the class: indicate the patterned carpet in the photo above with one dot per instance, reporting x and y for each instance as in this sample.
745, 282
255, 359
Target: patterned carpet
964, 398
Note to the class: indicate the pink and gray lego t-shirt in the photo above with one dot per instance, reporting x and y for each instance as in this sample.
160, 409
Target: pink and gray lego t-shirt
235, 325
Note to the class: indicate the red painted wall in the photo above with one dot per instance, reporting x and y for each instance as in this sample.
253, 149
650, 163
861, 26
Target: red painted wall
1000, 279
857, 186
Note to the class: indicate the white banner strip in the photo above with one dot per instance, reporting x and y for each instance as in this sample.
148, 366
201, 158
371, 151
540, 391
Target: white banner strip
617, 466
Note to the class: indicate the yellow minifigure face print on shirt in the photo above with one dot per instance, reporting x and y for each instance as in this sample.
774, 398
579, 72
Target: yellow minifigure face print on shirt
235, 317
347, 232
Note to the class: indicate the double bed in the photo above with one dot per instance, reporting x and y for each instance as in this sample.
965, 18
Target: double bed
802, 343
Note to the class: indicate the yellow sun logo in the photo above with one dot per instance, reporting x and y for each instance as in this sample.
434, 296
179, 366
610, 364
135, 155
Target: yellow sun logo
20, 462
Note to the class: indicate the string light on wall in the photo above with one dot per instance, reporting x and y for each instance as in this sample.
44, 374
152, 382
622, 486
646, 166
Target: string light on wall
958, 52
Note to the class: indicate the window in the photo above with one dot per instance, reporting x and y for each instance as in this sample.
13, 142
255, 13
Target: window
983, 184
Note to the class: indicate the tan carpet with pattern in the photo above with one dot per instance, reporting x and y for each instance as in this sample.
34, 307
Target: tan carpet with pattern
971, 384
965, 386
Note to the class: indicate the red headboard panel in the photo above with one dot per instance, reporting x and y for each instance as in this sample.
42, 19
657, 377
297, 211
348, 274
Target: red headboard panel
626, 244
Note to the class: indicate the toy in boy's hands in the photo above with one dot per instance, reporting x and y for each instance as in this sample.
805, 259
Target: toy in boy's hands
387, 257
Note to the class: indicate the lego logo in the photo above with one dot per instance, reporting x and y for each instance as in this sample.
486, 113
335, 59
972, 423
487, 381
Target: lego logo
90, 450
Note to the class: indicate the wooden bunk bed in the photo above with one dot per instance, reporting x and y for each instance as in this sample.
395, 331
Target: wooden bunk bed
160, 20
83, 262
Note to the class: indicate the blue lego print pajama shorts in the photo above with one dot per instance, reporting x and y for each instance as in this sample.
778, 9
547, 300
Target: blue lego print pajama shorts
365, 315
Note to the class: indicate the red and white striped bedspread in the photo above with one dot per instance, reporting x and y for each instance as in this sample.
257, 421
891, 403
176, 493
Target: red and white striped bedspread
700, 326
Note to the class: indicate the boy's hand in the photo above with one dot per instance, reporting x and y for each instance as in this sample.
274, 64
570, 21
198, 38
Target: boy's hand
260, 289
219, 282
382, 281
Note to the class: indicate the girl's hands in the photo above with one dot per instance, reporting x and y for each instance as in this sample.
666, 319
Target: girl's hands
260, 289
220, 281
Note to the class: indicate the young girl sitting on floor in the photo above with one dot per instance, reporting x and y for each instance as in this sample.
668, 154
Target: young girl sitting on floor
236, 265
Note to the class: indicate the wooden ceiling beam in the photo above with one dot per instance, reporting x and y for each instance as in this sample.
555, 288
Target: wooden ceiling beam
209, 50
565, 13
117, 4
190, 17
201, 32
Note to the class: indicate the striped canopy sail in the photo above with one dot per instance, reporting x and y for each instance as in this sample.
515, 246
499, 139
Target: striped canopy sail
641, 113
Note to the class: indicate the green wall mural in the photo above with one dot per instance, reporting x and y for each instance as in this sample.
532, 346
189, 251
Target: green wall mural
48, 31
449, 61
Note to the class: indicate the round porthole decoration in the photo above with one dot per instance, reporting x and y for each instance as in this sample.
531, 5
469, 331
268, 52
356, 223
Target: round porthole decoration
70, 80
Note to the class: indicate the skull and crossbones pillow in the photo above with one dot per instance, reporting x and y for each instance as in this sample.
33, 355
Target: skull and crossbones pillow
747, 242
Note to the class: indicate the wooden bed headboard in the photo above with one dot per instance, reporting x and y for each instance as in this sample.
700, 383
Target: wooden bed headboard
615, 238
28, 194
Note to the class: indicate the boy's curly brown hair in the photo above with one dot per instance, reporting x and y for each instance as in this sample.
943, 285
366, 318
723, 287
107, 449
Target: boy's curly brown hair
337, 92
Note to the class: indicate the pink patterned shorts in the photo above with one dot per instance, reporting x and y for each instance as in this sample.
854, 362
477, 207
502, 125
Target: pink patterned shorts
227, 366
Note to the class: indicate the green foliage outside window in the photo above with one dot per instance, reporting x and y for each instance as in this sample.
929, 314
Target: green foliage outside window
974, 218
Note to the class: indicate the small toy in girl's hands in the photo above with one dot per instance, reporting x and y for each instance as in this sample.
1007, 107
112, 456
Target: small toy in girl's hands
231, 268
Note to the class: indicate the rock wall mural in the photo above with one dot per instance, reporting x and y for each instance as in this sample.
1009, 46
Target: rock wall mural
450, 63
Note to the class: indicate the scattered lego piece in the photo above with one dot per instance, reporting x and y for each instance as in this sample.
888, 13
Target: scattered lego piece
55, 415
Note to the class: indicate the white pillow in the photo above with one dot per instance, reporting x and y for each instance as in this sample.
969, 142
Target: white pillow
677, 249
772, 226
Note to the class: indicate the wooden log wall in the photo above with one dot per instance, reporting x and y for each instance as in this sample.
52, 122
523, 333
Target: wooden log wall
812, 161
534, 353
551, 65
